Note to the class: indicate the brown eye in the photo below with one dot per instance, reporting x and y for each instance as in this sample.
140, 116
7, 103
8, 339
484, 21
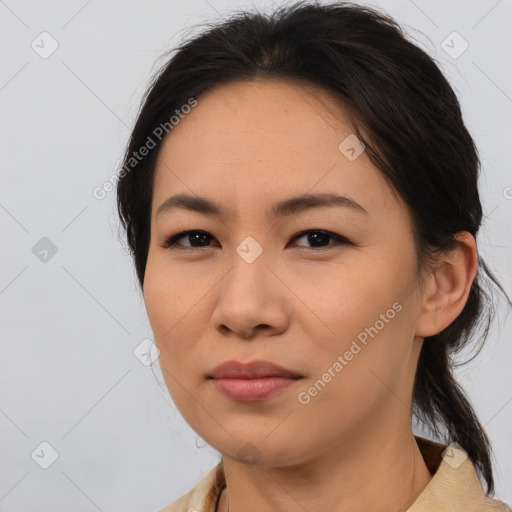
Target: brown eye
320, 238
199, 237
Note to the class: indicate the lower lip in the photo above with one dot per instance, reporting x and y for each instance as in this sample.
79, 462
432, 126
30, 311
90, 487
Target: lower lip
252, 390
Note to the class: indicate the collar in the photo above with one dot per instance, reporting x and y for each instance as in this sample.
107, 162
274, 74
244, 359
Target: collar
454, 487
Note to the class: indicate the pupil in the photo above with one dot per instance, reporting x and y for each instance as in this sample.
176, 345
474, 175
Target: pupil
196, 237
315, 239
312, 237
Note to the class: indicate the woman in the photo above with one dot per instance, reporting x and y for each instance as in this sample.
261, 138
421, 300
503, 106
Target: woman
300, 197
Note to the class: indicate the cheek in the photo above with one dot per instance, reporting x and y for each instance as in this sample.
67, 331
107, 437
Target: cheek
167, 296
163, 310
173, 307
363, 316
345, 299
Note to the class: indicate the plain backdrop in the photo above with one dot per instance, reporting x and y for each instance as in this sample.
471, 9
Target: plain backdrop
76, 392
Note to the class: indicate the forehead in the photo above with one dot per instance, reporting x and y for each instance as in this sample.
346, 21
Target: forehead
259, 119
250, 141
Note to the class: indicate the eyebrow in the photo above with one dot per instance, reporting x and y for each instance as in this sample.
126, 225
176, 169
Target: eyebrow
282, 208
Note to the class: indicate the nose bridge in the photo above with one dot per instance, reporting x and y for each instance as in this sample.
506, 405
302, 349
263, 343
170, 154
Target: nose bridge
246, 297
247, 278
251, 248
248, 261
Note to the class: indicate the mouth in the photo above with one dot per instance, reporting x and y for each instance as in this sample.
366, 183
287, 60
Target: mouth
252, 370
253, 390
253, 381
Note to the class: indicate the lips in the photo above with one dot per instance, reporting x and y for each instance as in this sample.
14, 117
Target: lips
252, 370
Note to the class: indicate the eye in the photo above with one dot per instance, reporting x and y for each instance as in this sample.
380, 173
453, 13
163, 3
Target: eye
193, 236
319, 239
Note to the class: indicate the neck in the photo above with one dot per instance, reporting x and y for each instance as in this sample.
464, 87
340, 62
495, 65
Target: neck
378, 473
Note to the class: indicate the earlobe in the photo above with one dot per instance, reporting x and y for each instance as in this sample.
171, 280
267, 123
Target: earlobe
447, 287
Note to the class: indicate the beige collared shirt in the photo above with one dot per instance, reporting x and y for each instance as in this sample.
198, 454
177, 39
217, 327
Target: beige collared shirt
455, 486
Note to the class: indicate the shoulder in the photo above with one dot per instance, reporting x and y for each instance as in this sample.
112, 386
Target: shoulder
203, 497
492, 505
455, 485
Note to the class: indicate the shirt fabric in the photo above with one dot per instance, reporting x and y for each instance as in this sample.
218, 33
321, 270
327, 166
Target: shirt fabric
454, 487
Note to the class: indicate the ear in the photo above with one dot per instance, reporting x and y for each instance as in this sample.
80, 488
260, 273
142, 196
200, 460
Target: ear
447, 287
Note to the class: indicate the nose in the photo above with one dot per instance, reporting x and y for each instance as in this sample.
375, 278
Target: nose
250, 299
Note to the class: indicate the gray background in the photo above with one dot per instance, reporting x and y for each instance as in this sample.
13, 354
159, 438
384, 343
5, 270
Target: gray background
70, 325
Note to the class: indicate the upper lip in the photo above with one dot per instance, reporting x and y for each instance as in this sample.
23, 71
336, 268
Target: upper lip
251, 370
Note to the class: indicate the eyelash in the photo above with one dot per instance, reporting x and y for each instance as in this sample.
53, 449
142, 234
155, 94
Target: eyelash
170, 242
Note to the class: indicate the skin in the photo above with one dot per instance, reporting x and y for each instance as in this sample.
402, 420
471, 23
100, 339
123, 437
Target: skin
351, 448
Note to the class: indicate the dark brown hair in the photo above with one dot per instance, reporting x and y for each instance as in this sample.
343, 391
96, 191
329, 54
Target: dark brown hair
397, 95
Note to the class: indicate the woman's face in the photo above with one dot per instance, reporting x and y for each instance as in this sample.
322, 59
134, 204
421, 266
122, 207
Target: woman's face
341, 314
